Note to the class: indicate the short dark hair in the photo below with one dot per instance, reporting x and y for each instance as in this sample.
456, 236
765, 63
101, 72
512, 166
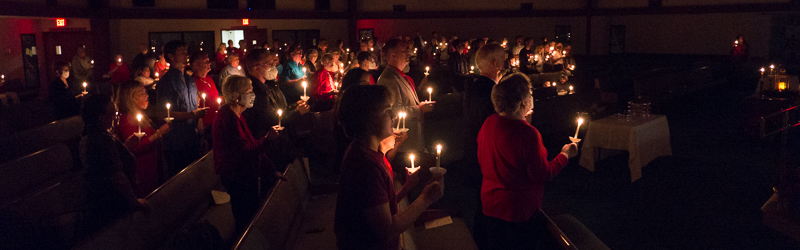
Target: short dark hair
198, 55
254, 56
510, 92
171, 47
392, 44
360, 106
363, 56
93, 109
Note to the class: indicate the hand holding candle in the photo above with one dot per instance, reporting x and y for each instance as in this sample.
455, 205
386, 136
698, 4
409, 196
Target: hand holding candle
219, 103
168, 118
203, 95
428, 68
413, 168
139, 118
84, 88
438, 155
430, 94
280, 114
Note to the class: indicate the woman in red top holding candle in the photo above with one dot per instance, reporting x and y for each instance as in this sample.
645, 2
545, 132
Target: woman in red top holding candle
205, 85
131, 101
324, 86
515, 170
119, 70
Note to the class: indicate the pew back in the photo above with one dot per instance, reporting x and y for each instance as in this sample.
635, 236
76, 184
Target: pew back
25, 173
276, 224
66, 131
184, 197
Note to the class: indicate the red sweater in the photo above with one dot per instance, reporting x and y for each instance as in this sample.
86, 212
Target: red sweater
121, 74
146, 154
207, 85
515, 168
237, 155
322, 84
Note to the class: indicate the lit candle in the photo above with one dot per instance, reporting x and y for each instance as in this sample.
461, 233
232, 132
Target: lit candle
239, 67
139, 118
430, 94
471, 69
203, 95
771, 67
399, 118
219, 103
348, 50
167, 64
438, 155
304, 71
341, 66
156, 75
168, 110
305, 85
119, 60
84, 88
762, 71
580, 121
404, 120
412, 169
341, 71
428, 68
570, 89
280, 114
572, 67
371, 49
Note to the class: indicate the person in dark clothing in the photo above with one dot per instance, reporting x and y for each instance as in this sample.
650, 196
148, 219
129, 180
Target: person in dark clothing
459, 61
60, 96
140, 59
477, 103
360, 75
525, 56
109, 168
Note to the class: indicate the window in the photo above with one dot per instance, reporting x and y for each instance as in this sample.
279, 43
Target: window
322, 4
144, 3
261, 4
305, 38
563, 34
233, 35
223, 4
616, 39
196, 41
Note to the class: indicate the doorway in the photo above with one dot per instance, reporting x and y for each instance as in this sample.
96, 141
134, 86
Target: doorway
232, 35
63, 46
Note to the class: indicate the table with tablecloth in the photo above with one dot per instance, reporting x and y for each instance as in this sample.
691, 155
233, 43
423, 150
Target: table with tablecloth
645, 138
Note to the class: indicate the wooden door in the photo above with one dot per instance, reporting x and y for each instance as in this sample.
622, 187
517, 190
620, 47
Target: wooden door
68, 43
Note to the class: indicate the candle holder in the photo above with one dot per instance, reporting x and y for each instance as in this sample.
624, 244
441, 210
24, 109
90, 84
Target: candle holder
574, 140
437, 172
278, 128
304, 98
140, 134
402, 130
169, 119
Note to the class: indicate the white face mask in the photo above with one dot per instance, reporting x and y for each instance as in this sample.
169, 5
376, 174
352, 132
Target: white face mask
272, 73
372, 65
247, 100
65, 74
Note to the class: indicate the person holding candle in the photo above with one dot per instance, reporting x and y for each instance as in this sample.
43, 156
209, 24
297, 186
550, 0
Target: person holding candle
108, 167
181, 146
232, 68
312, 58
132, 99
360, 75
239, 157
61, 96
220, 58
323, 91
515, 171
367, 216
477, 106
458, 60
142, 76
740, 50
161, 66
118, 70
82, 66
291, 75
404, 93
201, 66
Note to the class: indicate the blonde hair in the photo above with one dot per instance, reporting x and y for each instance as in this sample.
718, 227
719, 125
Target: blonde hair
126, 101
234, 87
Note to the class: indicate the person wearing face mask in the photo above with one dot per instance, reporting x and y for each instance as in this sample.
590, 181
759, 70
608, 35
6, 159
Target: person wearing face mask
132, 100
360, 75
61, 97
108, 167
240, 159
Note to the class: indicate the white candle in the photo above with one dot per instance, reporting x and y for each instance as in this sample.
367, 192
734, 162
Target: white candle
305, 85
404, 120
84, 87
204, 99
399, 118
304, 71
428, 68
168, 109
413, 168
430, 94
570, 89
438, 155
580, 121
219, 103
471, 69
156, 75
239, 67
139, 118
280, 114
771, 67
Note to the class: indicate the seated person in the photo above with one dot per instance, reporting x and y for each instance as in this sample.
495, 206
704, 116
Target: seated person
239, 158
515, 171
323, 86
367, 216
108, 167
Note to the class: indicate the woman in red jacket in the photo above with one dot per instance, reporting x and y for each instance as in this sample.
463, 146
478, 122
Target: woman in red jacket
324, 86
132, 101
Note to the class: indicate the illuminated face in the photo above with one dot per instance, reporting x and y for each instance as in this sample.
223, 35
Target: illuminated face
141, 98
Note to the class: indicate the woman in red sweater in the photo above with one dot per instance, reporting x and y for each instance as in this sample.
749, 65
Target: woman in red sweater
132, 101
119, 70
325, 89
515, 170
240, 159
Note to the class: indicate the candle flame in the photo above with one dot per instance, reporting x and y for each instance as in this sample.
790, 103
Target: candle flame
168, 105
762, 70
580, 121
280, 112
430, 90
203, 95
139, 117
427, 68
119, 60
411, 156
219, 100
84, 84
771, 66
570, 87
239, 67
305, 84
156, 74
438, 148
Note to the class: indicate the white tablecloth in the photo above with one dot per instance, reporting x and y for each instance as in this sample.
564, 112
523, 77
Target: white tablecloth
645, 138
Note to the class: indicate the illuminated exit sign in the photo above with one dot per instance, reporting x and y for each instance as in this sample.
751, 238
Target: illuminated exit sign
245, 21
61, 22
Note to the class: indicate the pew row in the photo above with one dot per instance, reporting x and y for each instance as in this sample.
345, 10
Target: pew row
182, 200
67, 131
42, 201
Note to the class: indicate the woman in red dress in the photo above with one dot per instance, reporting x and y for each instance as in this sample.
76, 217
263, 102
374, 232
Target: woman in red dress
132, 101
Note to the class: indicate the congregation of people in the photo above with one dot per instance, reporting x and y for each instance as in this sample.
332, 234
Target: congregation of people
249, 106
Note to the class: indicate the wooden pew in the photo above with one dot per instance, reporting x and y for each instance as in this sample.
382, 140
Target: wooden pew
42, 201
571, 234
67, 131
183, 199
